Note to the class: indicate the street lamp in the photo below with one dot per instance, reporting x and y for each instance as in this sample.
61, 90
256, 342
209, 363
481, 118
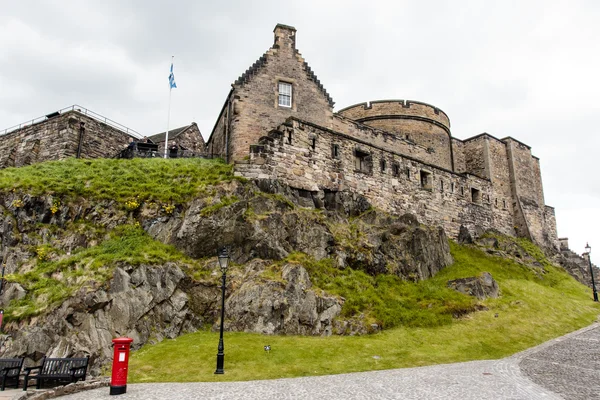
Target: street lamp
223, 256
589, 257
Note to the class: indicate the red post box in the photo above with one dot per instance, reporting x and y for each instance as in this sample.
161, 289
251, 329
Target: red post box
118, 380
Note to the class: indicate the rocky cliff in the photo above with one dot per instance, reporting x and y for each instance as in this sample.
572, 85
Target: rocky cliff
81, 271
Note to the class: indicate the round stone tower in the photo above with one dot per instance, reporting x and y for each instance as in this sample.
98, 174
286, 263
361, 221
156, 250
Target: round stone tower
420, 123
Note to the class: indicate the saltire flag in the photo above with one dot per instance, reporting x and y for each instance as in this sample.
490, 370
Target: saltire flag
172, 78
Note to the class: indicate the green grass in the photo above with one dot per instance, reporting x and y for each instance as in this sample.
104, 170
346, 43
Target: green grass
54, 277
171, 181
534, 307
385, 299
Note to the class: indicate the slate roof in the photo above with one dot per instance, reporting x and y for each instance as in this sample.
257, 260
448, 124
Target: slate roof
173, 133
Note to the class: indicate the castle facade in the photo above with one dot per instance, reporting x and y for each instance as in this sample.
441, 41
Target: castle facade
278, 122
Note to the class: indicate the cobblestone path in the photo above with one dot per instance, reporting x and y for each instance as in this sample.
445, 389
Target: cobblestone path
567, 367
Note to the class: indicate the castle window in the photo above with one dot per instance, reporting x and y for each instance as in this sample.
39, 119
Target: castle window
462, 191
395, 169
504, 204
285, 94
313, 143
363, 161
383, 165
289, 137
335, 151
441, 185
496, 201
452, 187
475, 196
408, 173
425, 179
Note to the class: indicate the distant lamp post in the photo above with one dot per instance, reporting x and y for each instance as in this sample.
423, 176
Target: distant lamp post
589, 257
223, 255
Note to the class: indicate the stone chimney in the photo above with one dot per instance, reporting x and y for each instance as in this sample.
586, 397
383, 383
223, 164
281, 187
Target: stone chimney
285, 37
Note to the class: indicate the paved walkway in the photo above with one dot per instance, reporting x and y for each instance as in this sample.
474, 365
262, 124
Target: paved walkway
567, 367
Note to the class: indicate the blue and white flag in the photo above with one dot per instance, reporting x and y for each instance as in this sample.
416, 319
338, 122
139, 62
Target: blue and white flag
172, 78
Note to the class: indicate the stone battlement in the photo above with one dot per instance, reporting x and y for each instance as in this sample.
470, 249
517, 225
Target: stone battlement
390, 109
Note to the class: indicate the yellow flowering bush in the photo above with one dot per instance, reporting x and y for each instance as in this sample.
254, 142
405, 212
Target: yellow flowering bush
18, 203
168, 208
132, 204
55, 206
42, 253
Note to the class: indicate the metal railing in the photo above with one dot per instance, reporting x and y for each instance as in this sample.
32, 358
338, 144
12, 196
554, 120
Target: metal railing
79, 109
131, 153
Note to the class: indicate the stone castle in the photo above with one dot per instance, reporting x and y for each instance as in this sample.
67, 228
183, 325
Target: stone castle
278, 122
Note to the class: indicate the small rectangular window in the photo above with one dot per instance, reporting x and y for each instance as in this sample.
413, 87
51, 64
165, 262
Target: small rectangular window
363, 161
475, 196
452, 187
396, 169
285, 94
289, 138
383, 165
335, 151
441, 185
313, 143
425, 180
408, 173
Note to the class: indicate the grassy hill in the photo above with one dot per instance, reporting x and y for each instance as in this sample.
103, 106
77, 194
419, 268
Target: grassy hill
534, 307
423, 322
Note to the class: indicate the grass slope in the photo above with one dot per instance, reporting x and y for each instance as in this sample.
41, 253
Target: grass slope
534, 307
175, 180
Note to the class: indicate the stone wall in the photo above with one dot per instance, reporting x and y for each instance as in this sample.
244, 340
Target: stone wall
386, 140
532, 219
58, 138
319, 160
217, 143
475, 162
458, 150
255, 97
419, 123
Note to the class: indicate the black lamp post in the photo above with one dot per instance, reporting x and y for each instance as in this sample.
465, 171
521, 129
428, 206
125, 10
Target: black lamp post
223, 255
589, 252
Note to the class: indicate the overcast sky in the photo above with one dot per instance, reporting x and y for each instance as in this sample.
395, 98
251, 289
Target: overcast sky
527, 69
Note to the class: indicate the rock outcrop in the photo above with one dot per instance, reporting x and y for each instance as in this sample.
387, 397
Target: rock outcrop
340, 225
482, 287
147, 303
262, 222
289, 306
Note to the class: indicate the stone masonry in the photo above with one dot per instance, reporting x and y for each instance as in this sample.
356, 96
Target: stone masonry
400, 154
64, 135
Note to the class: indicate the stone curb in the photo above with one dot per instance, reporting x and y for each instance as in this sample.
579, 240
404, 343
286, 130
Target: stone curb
63, 390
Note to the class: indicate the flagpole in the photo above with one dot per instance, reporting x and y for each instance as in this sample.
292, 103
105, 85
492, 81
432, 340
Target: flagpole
169, 115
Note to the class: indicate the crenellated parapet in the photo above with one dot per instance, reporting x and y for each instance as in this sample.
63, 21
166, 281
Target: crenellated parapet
397, 109
420, 123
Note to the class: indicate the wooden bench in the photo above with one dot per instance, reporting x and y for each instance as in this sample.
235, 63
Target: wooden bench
67, 370
10, 368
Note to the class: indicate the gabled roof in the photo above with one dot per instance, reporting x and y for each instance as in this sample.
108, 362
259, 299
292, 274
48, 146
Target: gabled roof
262, 61
173, 133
